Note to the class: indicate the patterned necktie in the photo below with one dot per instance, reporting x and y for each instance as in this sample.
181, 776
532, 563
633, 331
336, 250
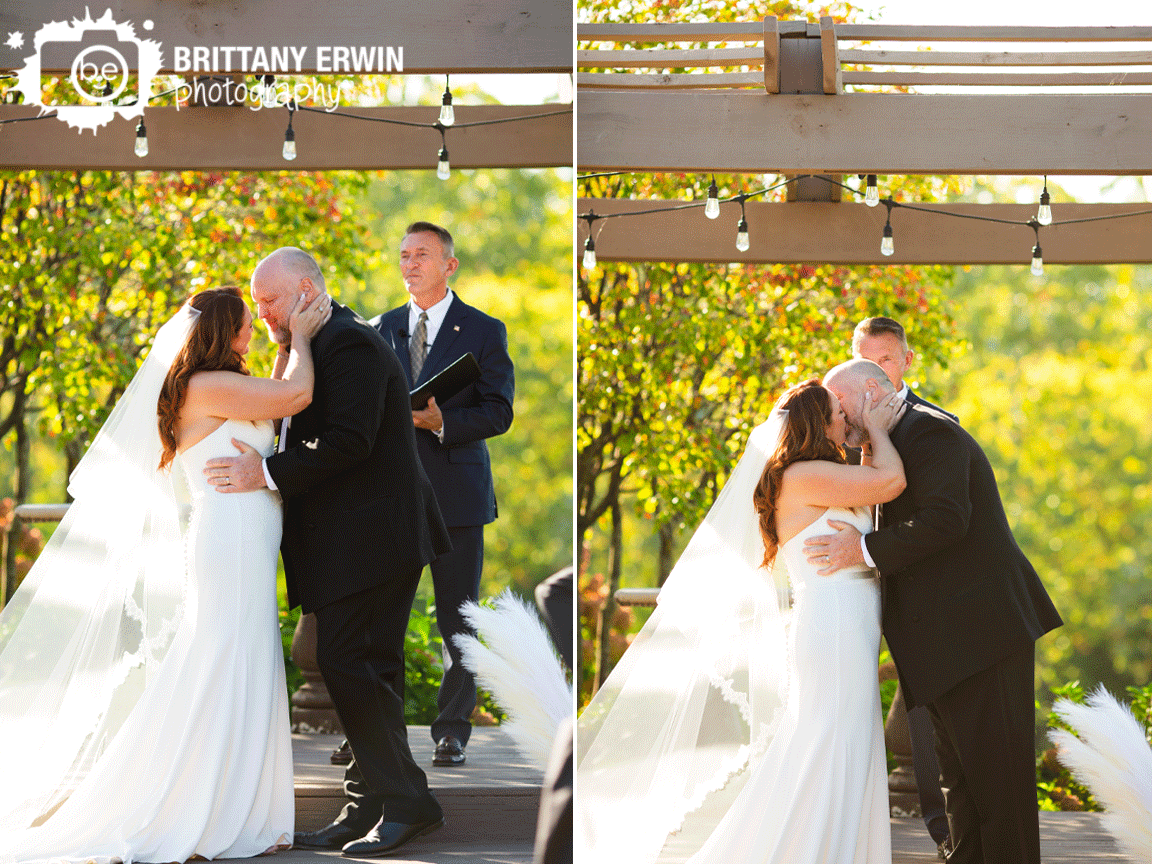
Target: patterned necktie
418, 346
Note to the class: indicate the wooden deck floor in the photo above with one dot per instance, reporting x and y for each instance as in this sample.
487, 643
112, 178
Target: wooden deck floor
1065, 838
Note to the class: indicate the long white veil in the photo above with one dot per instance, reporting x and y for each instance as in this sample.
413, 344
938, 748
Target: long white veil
95, 616
668, 741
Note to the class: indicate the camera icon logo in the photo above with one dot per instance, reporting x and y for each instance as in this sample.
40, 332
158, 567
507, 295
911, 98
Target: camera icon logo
109, 69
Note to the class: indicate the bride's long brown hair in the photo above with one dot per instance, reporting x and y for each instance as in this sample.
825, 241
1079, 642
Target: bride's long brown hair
209, 347
804, 438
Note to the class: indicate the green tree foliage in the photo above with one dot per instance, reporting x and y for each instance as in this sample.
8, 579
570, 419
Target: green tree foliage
1054, 388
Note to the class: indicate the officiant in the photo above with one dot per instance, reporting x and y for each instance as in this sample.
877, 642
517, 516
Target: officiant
430, 332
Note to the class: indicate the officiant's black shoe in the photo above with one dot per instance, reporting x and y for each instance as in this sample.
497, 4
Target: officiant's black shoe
449, 752
389, 836
334, 836
342, 755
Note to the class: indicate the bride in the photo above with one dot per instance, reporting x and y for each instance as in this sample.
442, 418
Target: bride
143, 704
727, 733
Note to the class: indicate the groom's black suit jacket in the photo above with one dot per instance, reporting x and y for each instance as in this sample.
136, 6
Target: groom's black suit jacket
959, 595
358, 506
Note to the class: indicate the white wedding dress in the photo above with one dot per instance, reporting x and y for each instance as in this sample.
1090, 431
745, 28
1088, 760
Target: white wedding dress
819, 794
202, 764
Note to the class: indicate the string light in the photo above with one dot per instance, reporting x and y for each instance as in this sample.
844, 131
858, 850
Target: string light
1037, 255
887, 243
712, 208
141, 139
447, 112
1044, 213
589, 253
443, 168
743, 242
871, 193
589, 260
289, 151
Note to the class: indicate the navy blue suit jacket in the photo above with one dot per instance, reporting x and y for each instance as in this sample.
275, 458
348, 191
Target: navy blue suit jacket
459, 467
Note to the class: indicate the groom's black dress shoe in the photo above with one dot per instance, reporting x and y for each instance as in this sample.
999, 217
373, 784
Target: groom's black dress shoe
449, 751
334, 836
389, 836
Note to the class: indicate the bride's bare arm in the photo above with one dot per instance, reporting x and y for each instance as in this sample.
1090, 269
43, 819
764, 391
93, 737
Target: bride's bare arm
287, 392
827, 484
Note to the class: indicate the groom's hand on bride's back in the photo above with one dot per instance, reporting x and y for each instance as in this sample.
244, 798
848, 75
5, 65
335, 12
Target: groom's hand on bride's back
832, 552
243, 473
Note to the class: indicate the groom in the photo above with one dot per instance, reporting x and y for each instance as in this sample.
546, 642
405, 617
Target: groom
360, 523
962, 611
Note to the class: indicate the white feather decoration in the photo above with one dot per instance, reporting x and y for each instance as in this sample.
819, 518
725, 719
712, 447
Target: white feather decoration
1112, 758
514, 661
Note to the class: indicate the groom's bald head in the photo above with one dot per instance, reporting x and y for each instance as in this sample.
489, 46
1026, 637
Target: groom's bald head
850, 381
278, 283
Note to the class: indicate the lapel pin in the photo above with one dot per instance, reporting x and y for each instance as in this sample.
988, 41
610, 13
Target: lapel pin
456, 328
313, 444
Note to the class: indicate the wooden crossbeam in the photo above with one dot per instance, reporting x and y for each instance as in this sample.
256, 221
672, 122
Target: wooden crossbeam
880, 133
437, 36
241, 139
849, 233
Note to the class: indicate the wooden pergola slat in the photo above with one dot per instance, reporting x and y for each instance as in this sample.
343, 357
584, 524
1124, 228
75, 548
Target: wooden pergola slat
994, 58
995, 79
650, 58
988, 33
667, 80
737, 31
438, 36
849, 233
210, 139
879, 133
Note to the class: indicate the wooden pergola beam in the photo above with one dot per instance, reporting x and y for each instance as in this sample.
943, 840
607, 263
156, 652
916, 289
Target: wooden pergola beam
880, 133
849, 233
239, 139
437, 36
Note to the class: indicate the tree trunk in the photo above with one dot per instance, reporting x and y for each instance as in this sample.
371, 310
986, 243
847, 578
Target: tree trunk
23, 452
608, 611
73, 450
667, 544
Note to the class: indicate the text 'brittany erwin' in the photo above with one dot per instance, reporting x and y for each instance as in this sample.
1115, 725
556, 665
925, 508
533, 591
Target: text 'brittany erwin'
288, 58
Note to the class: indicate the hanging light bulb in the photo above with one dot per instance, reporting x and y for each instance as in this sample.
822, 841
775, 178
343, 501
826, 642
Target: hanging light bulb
141, 139
871, 192
589, 253
887, 244
443, 169
712, 208
447, 112
742, 241
1044, 214
289, 151
1037, 260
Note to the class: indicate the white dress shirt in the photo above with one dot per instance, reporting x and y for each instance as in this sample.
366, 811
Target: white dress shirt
436, 314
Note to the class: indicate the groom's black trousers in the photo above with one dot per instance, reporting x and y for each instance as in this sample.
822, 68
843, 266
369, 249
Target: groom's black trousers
985, 741
360, 652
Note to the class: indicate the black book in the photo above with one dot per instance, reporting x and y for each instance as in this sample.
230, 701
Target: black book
446, 383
